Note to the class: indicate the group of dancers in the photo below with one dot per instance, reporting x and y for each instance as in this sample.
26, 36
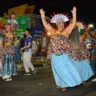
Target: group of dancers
67, 51
8, 67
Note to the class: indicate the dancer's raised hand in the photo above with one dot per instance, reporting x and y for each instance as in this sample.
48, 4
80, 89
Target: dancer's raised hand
42, 12
74, 10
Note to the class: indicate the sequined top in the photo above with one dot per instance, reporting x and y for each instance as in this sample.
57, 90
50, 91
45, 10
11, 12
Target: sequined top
78, 54
59, 44
8, 45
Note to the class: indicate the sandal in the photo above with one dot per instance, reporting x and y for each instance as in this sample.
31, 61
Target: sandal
84, 83
58, 87
64, 89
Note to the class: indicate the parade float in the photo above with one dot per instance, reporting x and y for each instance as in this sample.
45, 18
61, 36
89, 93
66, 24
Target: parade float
24, 19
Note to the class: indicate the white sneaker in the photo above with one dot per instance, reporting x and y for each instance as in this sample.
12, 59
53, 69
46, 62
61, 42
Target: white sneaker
94, 80
27, 74
9, 79
5, 77
14, 74
45, 64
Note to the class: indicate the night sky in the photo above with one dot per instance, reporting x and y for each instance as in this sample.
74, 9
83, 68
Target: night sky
86, 8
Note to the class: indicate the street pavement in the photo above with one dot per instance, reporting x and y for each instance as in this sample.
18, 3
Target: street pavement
42, 84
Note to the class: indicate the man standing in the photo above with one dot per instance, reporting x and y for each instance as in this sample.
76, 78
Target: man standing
28, 53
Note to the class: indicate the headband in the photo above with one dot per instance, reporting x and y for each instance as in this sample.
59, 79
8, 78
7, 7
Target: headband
59, 17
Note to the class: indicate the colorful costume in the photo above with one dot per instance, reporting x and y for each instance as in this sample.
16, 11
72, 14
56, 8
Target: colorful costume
1, 52
9, 66
63, 66
82, 56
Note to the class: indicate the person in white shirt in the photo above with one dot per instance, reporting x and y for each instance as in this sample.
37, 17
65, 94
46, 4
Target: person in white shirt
35, 47
43, 43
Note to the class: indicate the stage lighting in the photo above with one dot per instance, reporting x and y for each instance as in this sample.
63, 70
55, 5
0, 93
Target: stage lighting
48, 33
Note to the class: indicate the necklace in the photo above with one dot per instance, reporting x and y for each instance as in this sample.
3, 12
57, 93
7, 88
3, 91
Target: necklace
58, 32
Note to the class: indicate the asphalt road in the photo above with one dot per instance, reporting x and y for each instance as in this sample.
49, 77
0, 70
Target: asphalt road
42, 84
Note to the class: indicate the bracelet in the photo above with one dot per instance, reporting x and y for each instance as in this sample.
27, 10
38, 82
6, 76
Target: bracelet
74, 15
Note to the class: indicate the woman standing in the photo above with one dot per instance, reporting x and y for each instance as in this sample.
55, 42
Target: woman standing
63, 67
1, 52
9, 66
81, 54
17, 48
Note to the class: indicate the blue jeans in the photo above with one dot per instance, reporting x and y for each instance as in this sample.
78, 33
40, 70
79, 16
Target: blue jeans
9, 65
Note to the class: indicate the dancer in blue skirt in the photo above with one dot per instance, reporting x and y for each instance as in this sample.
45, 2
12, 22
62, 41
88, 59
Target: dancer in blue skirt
63, 66
82, 55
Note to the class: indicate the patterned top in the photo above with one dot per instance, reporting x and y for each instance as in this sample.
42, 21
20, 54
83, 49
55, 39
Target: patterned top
59, 44
78, 54
8, 45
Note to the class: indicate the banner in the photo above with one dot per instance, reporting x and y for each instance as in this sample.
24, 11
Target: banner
23, 22
36, 26
33, 22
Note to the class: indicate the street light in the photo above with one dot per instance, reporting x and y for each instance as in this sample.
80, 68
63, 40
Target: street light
90, 25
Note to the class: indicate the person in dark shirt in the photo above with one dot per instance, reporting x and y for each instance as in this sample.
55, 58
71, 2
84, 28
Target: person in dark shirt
22, 43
